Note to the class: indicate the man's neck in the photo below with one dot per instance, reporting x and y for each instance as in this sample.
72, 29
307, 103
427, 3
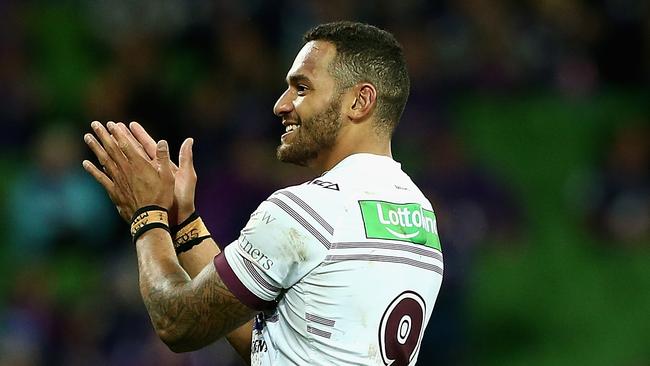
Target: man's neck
326, 160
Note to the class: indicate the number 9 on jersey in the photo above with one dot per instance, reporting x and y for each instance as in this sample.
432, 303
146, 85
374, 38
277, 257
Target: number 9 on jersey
401, 329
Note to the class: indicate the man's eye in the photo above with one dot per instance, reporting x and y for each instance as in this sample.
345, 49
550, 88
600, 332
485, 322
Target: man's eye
301, 89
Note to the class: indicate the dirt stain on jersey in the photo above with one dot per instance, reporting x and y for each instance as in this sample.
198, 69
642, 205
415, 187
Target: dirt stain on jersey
295, 247
373, 354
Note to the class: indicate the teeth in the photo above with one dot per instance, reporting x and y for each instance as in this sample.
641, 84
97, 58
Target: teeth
291, 128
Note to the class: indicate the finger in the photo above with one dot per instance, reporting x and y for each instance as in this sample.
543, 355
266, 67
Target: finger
143, 137
109, 143
104, 160
124, 144
185, 157
132, 141
110, 188
100, 177
162, 157
146, 141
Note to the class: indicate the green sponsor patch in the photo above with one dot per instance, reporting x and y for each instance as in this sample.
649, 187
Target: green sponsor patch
406, 222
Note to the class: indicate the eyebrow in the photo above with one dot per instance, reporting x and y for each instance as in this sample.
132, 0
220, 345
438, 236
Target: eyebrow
297, 78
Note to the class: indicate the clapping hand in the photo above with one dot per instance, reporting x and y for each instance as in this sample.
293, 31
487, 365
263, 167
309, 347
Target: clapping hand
137, 170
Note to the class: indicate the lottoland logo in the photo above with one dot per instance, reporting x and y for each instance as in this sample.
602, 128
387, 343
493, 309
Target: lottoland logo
406, 222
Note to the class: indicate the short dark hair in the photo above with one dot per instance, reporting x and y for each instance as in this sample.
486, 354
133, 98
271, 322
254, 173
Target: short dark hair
365, 53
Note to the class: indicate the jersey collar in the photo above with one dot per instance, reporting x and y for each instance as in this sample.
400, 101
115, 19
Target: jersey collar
365, 161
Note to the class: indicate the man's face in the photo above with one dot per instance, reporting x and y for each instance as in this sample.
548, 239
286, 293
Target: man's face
310, 108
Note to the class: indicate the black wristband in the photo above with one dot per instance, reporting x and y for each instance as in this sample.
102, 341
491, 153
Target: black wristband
147, 218
189, 233
148, 227
190, 244
145, 209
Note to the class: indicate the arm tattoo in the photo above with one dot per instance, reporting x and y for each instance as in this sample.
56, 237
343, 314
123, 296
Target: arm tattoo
191, 314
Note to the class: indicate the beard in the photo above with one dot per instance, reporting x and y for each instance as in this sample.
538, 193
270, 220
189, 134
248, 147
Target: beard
314, 135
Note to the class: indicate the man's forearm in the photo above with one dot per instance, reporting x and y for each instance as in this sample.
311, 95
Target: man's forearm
161, 276
193, 261
187, 314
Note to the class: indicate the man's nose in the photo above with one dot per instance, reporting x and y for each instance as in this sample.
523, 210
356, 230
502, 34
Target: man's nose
283, 105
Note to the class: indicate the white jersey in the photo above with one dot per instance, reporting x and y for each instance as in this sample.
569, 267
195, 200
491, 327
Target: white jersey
345, 267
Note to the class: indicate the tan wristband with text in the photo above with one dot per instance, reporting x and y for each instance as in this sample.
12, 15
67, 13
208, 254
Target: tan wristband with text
189, 233
147, 218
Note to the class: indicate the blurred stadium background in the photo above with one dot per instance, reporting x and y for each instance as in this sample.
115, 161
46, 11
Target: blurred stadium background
527, 126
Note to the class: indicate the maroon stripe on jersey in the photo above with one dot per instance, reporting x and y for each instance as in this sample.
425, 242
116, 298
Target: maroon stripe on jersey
258, 277
318, 332
417, 249
319, 320
241, 292
302, 221
384, 258
309, 210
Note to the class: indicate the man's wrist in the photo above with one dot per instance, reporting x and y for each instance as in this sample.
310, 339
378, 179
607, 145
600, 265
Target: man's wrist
189, 233
147, 218
184, 214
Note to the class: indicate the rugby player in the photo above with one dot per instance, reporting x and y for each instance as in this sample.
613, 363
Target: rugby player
341, 270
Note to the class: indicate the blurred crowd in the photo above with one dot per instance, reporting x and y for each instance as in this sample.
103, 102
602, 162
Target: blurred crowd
212, 71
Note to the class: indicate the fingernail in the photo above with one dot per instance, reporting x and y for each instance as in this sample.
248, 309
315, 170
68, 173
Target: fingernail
94, 125
87, 138
110, 125
162, 145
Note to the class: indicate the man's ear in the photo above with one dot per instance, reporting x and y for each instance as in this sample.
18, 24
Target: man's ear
365, 99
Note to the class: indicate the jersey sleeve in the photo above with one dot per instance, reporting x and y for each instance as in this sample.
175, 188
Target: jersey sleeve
277, 247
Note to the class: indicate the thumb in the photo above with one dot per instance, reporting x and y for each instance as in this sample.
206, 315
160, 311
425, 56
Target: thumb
185, 157
162, 157
162, 151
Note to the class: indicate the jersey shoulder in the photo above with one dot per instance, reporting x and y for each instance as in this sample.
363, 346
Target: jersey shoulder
317, 202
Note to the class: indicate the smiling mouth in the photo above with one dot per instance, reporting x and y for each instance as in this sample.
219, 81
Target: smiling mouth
290, 129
